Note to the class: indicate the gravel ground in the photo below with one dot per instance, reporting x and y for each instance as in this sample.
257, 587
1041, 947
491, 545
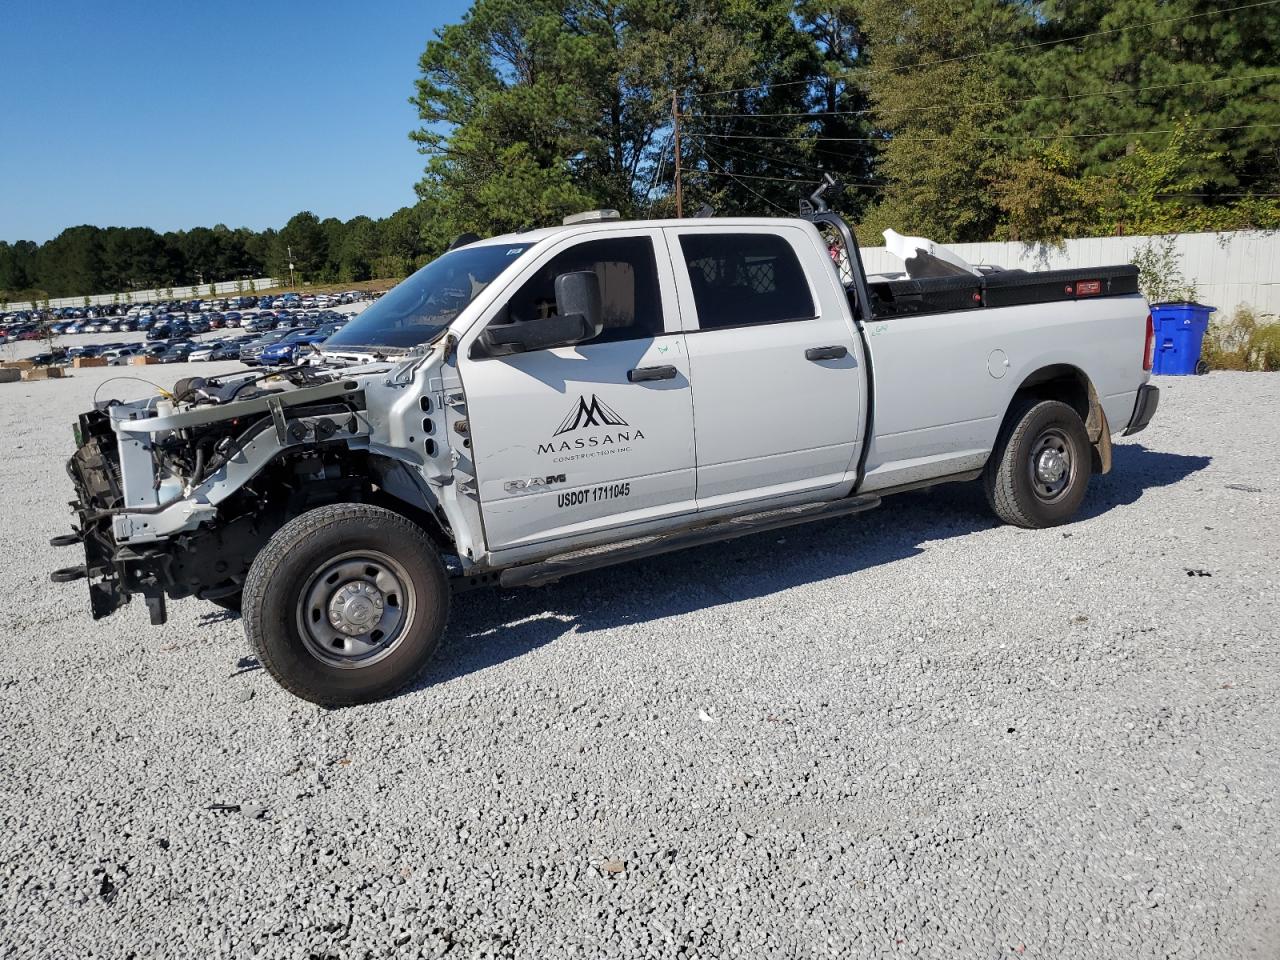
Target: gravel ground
907, 733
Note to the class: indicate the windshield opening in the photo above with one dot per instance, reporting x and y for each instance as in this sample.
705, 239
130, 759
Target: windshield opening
417, 309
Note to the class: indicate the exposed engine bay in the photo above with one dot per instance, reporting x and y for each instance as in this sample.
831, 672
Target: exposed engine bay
178, 492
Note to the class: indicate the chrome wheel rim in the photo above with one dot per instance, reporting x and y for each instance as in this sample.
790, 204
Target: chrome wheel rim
1052, 465
356, 609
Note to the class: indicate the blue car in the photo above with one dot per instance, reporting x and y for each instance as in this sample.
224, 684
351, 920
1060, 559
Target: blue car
288, 349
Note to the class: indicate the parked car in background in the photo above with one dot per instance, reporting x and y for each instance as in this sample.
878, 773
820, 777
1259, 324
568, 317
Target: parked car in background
261, 323
119, 356
230, 349
204, 350
56, 356
288, 348
177, 352
251, 352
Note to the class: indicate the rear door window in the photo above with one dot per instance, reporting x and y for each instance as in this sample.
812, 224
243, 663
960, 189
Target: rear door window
745, 279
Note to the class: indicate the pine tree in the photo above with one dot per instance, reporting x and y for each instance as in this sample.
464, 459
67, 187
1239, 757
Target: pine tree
1151, 64
942, 76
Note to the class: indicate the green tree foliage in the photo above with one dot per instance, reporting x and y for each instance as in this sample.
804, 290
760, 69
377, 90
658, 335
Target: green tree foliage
1162, 190
940, 97
355, 249
88, 260
1027, 119
1154, 63
303, 242
533, 110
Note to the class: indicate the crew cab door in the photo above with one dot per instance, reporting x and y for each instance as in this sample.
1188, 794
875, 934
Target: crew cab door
778, 388
569, 441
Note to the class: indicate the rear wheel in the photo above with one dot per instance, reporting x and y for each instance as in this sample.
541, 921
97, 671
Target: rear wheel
346, 604
1039, 471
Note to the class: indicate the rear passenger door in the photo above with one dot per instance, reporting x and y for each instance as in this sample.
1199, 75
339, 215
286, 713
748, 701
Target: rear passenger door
778, 393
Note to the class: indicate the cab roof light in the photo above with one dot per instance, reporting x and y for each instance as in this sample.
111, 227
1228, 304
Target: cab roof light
592, 216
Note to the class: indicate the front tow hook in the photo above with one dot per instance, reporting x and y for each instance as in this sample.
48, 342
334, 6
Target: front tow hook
68, 574
65, 540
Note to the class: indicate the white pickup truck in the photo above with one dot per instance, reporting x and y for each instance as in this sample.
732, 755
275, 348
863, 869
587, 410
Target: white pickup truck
533, 405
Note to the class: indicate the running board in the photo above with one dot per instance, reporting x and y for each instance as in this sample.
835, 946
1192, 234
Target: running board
593, 558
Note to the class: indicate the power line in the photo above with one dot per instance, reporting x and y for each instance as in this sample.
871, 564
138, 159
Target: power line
818, 179
746, 186
979, 103
749, 176
657, 171
994, 139
1014, 49
739, 151
816, 174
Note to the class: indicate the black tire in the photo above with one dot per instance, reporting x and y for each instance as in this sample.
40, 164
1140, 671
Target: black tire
329, 572
232, 601
1046, 434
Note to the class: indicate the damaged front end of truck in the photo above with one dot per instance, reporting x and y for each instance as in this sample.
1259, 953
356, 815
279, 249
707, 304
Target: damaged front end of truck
175, 495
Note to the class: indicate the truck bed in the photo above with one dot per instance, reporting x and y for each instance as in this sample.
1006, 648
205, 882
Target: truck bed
1005, 288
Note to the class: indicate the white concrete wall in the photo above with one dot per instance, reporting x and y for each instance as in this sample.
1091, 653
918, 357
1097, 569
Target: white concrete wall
223, 289
1228, 269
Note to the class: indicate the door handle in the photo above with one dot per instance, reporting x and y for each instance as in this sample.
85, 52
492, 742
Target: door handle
826, 353
641, 374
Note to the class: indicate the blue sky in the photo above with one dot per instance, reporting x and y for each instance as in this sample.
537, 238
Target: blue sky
181, 114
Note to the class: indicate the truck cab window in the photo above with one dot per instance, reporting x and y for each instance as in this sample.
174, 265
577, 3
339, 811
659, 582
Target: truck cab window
629, 289
743, 279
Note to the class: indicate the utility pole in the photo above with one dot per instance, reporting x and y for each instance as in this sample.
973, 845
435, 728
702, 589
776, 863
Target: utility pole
675, 122
289, 248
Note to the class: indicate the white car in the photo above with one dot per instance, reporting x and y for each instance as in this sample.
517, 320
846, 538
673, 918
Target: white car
205, 350
538, 404
119, 356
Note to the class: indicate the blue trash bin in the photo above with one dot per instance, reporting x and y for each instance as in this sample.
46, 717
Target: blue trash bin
1179, 334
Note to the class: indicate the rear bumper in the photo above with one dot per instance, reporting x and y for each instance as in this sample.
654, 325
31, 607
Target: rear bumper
1144, 408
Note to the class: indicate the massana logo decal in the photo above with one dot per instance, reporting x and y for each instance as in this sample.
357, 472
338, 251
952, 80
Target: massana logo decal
612, 434
593, 414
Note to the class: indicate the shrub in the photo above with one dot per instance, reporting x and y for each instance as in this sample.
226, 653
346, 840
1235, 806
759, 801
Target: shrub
1160, 271
1264, 348
1243, 342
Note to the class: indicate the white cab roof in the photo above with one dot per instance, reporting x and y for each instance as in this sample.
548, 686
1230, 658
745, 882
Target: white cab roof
605, 226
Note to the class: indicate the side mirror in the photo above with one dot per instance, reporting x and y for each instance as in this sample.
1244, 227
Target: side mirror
578, 294
579, 317
505, 338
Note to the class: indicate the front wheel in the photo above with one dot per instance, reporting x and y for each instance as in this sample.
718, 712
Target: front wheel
346, 604
230, 602
1039, 471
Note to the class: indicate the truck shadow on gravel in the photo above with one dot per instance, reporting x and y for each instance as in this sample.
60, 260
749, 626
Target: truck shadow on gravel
490, 627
